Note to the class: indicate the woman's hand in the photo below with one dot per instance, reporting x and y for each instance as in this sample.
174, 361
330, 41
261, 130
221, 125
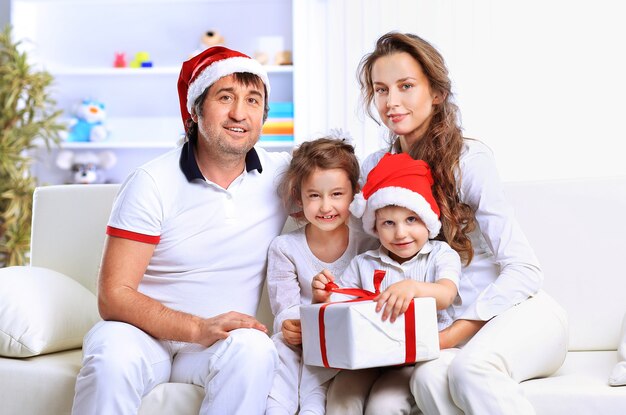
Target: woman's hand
459, 331
446, 341
320, 295
292, 332
396, 299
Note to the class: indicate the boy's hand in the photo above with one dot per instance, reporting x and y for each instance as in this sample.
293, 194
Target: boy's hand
320, 295
292, 332
396, 299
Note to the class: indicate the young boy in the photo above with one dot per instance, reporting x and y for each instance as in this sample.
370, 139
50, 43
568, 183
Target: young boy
397, 206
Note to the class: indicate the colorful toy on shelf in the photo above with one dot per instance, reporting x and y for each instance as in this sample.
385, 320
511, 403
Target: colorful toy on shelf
88, 122
284, 58
86, 166
120, 60
209, 39
278, 127
141, 60
262, 58
279, 124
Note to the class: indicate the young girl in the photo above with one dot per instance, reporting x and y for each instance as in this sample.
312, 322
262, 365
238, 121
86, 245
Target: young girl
506, 330
321, 181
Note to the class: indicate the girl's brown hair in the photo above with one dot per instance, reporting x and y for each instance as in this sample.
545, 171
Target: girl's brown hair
441, 144
324, 153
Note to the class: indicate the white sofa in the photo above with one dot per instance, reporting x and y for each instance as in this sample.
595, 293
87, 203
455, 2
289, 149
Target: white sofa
576, 228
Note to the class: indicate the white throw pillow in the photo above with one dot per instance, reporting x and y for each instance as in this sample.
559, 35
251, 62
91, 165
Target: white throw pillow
42, 311
618, 375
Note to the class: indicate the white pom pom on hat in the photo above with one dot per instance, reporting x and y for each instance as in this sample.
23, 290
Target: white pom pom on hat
358, 205
398, 180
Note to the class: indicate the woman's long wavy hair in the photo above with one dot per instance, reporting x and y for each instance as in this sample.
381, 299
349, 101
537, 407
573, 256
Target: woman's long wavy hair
442, 142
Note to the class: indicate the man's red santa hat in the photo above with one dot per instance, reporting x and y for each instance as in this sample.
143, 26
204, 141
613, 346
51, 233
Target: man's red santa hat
398, 180
207, 67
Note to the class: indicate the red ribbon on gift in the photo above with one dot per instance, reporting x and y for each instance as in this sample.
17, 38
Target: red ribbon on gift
364, 295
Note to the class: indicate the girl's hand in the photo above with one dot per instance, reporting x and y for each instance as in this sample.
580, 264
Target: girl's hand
292, 332
396, 299
320, 295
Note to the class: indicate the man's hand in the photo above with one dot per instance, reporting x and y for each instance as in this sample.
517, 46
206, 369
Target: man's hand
217, 328
396, 299
292, 332
320, 295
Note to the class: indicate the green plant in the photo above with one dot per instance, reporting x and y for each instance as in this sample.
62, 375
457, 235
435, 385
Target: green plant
28, 115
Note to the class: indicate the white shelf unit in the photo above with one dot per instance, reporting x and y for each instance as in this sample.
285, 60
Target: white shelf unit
76, 41
163, 70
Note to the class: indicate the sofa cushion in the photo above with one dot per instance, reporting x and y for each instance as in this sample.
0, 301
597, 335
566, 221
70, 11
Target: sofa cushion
40, 384
42, 311
579, 254
51, 379
578, 387
618, 375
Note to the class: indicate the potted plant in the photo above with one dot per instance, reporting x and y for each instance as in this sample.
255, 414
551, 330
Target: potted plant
28, 117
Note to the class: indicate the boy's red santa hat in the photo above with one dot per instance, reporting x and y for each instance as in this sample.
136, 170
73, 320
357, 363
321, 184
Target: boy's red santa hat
207, 67
398, 180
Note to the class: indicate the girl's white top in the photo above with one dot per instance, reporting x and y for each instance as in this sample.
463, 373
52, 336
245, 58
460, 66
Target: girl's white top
292, 265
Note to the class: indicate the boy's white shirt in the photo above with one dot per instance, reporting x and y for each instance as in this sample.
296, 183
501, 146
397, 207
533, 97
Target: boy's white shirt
435, 261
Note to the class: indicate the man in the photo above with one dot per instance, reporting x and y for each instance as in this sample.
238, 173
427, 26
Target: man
184, 259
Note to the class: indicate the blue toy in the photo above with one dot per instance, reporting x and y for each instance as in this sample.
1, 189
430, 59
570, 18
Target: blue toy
88, 122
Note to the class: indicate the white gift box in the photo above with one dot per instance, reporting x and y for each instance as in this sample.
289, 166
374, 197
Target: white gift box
353, 335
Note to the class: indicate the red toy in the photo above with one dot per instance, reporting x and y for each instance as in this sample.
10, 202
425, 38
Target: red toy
120, 60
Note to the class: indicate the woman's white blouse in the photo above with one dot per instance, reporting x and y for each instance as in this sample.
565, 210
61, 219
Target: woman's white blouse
504, 270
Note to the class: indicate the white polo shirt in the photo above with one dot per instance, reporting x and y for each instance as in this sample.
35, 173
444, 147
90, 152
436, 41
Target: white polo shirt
211, 243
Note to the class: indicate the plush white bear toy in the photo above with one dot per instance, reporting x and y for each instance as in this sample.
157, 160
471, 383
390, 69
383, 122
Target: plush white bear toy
86, 166
88, 122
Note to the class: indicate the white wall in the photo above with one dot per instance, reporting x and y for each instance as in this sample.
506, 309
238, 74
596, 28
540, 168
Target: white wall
5, 12
540, 81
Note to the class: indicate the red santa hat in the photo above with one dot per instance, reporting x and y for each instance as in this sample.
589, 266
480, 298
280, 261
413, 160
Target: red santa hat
398, 180
204, 69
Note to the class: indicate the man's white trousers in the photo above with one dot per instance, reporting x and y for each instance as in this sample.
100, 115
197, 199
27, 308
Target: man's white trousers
121, 364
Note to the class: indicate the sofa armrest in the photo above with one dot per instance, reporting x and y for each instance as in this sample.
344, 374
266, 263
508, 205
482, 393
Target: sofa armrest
69, 226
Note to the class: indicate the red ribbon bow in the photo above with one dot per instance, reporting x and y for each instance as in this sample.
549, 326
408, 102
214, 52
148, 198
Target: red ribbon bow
364, 295
361, 294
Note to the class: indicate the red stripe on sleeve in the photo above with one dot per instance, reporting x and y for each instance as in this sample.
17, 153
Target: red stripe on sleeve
134, 236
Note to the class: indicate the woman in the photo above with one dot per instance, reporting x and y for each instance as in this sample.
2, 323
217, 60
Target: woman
506, 330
